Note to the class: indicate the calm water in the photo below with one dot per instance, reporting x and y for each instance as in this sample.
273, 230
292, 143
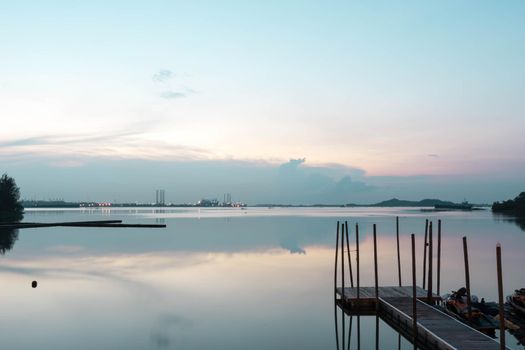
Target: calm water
222, 279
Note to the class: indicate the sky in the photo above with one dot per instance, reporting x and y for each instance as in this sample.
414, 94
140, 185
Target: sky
274, 101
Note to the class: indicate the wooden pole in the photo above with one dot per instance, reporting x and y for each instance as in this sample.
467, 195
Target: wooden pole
500, 299
377, 287
358, 332
467, 277
336, 256
336, 325
348, 253
425, 255
343, 264
349, 333
375, 268
439, 259
414, 291
343, 324
430, 252
377, 331
357, 265
335, 288
398, 255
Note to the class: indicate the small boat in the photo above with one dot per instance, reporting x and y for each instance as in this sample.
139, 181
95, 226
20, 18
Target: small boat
481, 312
453, 206
517, 300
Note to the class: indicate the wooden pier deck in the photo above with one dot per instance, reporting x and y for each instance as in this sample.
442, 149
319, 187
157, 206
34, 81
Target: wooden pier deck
368, 294
435, 329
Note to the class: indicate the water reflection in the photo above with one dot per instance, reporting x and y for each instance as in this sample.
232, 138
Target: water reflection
519, 221
377, 333
201, 282
8, 236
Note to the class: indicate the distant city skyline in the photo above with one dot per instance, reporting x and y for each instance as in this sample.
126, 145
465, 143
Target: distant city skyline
201, 98
292, 182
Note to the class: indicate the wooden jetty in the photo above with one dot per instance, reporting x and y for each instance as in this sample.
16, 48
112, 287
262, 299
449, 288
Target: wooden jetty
411, 310
367, 298
435, 329
99, 223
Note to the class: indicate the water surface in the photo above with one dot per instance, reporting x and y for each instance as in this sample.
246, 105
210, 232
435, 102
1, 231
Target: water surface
223, 278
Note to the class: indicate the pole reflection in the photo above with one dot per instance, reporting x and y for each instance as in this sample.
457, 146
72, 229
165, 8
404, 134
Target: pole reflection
348, 333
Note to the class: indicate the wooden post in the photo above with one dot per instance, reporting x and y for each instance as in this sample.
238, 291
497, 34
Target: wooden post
430, 252
343, 263
439, 259
377, 287
414, 291
357, 264
336, 325
398, 255
349, 332
358, 332
375, 267
377, 331
425, 255
348, 253
343, 326
500, 299
467, 277
335, 268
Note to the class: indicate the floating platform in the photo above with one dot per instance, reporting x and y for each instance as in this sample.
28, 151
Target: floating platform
435, 329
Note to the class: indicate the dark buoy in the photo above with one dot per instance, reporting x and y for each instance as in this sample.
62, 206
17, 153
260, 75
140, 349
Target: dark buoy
33, 284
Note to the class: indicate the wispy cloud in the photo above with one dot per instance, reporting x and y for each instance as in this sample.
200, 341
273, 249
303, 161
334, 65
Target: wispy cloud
172, 94
74, 150
28, 141
163, 76
171, 88
68, 163
65, 139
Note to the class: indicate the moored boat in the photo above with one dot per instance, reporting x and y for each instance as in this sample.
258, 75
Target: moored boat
481, 312
461, 206
517, 300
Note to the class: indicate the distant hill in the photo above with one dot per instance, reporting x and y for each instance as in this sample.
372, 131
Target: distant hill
514, 206
394, 202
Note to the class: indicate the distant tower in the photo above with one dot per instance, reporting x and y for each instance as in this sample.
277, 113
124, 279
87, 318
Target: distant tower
160, 197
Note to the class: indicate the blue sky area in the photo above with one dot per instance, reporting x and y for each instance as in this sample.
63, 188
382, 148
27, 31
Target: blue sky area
274, 101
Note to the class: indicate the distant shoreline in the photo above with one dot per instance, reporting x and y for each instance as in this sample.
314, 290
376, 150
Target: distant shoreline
393, 203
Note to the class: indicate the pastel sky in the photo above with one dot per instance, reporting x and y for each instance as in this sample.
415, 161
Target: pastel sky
378, 93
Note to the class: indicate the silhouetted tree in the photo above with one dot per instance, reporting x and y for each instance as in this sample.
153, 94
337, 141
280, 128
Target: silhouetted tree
514, 206
11, 208
8, 236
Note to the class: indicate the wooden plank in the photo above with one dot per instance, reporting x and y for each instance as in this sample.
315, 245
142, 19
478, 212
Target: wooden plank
102, 223
443, 329
435, 328
31, 224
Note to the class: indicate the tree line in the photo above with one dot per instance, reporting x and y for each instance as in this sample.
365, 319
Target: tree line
514, 206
